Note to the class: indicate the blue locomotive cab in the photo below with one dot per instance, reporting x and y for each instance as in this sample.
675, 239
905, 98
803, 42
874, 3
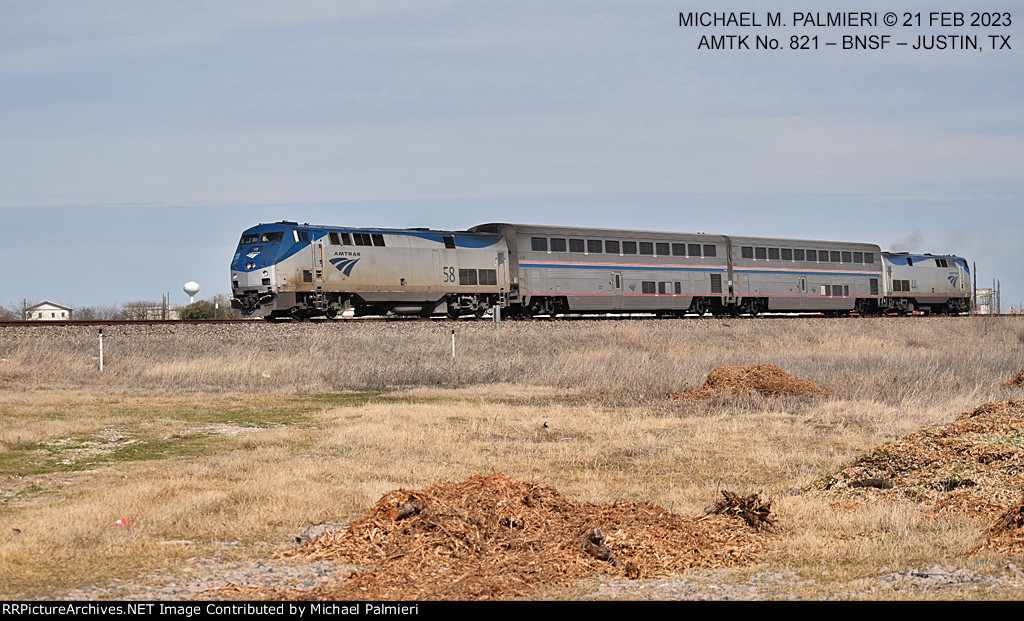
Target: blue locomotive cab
254, 278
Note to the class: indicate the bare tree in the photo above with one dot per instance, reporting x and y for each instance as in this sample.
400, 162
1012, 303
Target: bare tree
99, 313
142, 310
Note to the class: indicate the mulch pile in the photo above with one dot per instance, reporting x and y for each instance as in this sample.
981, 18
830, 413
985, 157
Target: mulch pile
1014, 381
1006, 536
972, 466
766, 380
493, 537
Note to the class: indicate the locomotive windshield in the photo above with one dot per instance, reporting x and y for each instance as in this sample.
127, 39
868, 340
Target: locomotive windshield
262, 238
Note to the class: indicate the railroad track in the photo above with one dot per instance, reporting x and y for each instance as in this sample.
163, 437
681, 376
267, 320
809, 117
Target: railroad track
262, 322
345, 320
122, 322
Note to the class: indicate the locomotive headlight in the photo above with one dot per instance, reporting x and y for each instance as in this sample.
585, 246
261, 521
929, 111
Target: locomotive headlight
265, 273
250, 266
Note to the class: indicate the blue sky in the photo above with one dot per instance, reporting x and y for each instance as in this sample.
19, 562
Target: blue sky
140, 139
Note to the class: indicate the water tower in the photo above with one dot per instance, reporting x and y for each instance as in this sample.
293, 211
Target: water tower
191, 289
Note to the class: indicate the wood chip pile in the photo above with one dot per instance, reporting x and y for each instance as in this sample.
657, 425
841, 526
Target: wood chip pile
766, 380
1015, 381
973, 466
493, 537
1006, 536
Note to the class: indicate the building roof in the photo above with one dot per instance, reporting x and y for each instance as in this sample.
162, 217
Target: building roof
48, 304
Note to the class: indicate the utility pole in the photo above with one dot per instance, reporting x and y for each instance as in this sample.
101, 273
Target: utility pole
974, 290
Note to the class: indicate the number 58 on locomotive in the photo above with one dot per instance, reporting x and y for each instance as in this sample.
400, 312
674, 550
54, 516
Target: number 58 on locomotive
300, 271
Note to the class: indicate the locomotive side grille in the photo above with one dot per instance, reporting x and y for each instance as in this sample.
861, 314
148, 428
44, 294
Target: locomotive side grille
467, 277
716, 283
489, 277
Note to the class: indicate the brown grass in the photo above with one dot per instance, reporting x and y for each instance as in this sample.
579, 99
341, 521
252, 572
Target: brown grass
234, 440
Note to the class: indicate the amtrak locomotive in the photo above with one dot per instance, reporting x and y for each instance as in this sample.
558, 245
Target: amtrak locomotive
300, 271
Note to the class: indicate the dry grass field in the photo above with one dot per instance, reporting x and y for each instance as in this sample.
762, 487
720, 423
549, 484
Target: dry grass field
225, 442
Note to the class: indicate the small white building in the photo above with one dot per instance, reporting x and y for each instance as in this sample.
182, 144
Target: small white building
47, 311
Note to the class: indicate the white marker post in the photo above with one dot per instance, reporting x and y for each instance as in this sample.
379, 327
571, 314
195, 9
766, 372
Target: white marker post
453, 344
101, 350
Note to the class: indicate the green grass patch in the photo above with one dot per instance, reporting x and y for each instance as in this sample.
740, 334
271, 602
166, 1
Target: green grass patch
49, 458
148, 450
23, 461
159, 416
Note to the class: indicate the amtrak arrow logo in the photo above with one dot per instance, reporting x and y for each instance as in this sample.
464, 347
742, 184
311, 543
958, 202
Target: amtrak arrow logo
344, 265
953, 278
